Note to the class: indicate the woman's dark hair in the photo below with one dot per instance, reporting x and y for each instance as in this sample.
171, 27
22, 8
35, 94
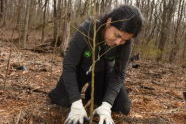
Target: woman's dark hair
125, 18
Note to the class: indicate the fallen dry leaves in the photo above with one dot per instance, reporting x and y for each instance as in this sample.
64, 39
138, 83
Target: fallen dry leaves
155, 89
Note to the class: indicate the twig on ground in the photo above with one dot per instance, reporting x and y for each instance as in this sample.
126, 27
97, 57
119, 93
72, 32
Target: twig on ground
18, 117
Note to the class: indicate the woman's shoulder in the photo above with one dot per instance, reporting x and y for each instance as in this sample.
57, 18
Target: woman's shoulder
86, 25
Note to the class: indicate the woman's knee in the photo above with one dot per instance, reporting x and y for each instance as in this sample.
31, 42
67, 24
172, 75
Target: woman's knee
122, 103
125, 108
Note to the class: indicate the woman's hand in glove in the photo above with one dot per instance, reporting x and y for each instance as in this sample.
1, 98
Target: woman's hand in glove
77, 113
104, 112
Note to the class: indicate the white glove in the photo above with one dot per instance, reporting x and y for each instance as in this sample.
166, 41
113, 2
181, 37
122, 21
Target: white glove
104, 112
77, 113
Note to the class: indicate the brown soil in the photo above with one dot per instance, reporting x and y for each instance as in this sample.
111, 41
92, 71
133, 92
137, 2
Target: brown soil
154, 89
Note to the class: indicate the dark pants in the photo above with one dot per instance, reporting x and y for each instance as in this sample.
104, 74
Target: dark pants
121, 104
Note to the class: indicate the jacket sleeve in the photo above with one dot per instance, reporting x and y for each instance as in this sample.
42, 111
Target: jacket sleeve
71, 60
116, 76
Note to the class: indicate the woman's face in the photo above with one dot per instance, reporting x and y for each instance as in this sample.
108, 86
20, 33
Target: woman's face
115, 37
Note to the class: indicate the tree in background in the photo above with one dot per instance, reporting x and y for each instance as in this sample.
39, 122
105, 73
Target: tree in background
163, 37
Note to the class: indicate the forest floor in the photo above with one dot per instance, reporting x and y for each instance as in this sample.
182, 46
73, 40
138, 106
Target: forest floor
155, 89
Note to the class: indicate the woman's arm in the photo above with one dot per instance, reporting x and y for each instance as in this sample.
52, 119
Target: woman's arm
72, 59
116, 77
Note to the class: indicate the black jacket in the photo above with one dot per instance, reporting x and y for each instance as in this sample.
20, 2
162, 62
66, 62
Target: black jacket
78, 58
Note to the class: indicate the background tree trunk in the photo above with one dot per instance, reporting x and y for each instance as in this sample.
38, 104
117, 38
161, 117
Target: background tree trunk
1, 8
66, 26
55, 21
175, 44
26, 24
168, 11
3, 13
44, 21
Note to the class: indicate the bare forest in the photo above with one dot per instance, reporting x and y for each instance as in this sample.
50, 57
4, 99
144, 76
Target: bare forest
34, 35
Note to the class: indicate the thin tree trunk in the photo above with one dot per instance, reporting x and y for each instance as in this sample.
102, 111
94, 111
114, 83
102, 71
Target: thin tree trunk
1, 8
44, 22
168, 11
175, 47
93, 64
39, 10
26, 25
66, 26
19, 6
3, 13
59, 22
86, 7
55, 21
184, 49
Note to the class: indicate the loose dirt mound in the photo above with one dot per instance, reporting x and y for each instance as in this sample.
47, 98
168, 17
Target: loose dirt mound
155, 90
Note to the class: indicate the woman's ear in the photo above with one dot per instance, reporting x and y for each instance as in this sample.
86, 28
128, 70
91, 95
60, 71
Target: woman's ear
109, 20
